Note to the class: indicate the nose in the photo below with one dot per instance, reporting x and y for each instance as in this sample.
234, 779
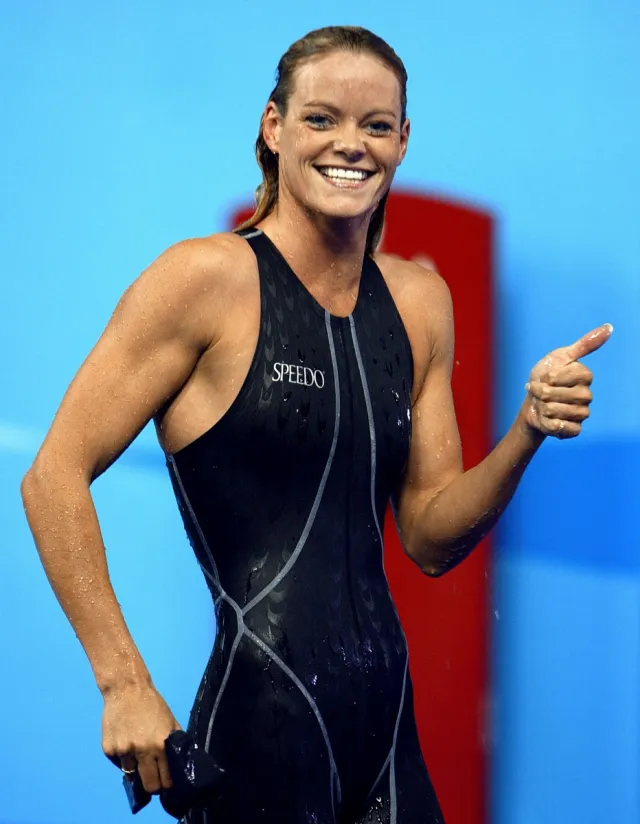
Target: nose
349, 142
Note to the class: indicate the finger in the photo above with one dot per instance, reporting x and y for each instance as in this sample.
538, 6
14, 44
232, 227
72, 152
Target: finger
588, 343
572, 374
128, 763
148, 770
560, 428
564, 412
164, 772
543, 391
122, 760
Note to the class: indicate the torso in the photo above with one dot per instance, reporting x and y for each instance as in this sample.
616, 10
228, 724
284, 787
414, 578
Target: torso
283, 496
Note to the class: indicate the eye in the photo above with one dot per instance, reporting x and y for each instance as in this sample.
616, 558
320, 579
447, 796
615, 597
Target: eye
318, 121
379, 127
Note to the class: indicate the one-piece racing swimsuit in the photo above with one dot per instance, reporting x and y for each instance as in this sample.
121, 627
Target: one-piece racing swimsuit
306, 701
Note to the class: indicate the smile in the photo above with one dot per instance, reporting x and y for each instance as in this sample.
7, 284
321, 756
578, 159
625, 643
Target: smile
344, 178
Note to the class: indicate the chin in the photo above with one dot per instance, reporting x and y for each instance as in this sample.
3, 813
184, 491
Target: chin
344, 208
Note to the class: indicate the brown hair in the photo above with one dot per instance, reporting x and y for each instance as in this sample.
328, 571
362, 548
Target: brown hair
316, 43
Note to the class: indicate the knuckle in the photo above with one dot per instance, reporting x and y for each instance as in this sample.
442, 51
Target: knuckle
546, 392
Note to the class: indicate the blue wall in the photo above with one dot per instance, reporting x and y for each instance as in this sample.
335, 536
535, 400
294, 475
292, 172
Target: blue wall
129, 127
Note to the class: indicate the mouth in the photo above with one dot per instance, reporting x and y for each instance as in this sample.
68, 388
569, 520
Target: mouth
344, 177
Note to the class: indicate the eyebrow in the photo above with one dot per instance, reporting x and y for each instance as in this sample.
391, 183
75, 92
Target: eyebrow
335, 110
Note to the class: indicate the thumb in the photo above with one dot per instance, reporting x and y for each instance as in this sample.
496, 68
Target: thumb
586, 344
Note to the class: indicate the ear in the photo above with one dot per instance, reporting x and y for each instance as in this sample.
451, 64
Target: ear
272, 126
404, 139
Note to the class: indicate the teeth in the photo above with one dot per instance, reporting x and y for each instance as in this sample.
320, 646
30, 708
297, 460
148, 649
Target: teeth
344, 174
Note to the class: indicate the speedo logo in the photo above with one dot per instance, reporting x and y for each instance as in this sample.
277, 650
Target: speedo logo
304, 375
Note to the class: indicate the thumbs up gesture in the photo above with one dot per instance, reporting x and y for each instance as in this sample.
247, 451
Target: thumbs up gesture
558, 393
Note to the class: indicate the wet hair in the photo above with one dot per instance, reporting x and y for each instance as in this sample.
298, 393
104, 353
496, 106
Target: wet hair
315, 44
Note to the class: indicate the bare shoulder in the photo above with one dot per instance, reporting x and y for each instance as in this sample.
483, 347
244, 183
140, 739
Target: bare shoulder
191, 283
424, 303
411, 282
196, 265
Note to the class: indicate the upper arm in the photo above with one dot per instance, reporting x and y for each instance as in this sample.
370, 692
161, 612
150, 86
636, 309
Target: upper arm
435, 456
150, 346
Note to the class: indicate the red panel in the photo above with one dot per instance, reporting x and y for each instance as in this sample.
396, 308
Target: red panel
446, 620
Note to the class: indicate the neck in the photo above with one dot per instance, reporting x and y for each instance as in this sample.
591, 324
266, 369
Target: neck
316, 245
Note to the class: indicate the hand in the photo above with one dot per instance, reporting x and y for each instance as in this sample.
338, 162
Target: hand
558, 390
136, 721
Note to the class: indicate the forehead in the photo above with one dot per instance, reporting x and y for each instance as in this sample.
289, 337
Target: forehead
347, 80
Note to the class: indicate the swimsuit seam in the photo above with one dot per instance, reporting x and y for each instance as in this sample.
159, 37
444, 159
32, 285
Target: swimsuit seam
311, 701
372, 439
321, 487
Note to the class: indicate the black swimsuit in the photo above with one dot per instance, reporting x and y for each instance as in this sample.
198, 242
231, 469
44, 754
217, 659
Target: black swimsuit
306, 701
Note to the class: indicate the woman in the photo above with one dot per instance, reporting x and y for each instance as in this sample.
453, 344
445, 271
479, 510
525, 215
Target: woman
298, 381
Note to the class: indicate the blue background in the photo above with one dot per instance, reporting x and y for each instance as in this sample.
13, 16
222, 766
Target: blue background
127, 127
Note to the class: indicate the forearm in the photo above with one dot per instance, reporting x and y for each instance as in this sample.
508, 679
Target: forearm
65, 527
455, 520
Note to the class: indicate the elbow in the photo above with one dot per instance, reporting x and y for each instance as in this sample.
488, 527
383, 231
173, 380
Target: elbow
433, 569
27, 486
428, 560
33, 484
432, 560
43, 477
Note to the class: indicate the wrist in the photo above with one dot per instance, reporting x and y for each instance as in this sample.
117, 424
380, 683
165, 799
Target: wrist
530, 435
120, 675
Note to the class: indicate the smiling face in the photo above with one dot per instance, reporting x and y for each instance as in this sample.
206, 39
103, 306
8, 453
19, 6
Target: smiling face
342, 137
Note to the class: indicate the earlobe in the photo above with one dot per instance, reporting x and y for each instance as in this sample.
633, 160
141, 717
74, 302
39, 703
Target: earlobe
271, 127
404, 139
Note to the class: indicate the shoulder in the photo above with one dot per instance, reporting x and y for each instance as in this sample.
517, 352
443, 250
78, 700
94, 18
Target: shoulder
198, 264
424, 302
196, 269
190, 284
413, 282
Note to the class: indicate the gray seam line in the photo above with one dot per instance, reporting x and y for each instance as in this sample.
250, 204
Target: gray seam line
381, 773
372, 431
323, 481
392, 771
277, 660
203, 540
395, 736
252, 234
227, 673
222, 595
372, 438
